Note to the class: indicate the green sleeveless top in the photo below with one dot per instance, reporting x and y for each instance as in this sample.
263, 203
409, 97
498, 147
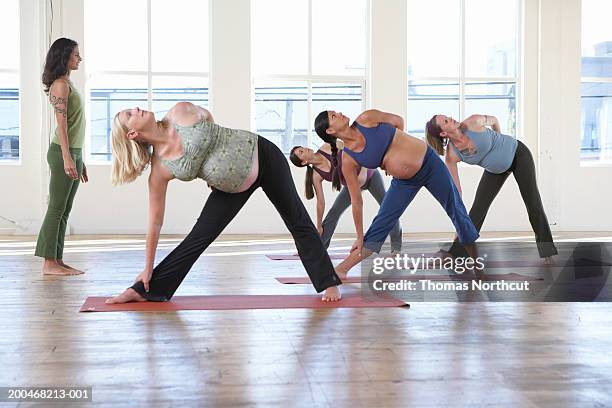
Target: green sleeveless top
75, 116
221, 156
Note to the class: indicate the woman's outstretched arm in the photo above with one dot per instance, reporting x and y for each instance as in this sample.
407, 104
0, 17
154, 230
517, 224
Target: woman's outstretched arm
158, 185
451, 159
317, 183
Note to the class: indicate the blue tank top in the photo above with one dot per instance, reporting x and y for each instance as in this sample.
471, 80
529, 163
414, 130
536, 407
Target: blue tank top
494, 151
377, 142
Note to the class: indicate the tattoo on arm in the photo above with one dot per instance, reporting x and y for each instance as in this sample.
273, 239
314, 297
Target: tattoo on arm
59, 104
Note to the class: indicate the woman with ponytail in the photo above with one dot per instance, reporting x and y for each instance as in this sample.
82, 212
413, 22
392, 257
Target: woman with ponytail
64, 155
478, 141
319, 168
377, 139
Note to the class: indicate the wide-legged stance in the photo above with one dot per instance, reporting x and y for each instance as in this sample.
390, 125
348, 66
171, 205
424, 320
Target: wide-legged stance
523, 169
436, 178
275, 180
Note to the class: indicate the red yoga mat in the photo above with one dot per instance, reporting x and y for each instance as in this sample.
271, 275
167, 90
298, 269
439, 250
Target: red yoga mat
236, 302
300, 280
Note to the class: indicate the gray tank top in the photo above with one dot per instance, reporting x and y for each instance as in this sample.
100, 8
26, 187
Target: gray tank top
221, 156
494, 151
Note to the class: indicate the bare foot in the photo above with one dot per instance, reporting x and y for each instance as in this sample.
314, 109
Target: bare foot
549, 261
63, 265
331, 294
58, 270
128, 295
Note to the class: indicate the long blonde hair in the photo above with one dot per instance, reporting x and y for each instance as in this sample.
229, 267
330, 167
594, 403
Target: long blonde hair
130, 158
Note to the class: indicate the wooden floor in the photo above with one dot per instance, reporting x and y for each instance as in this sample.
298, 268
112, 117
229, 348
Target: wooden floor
431, 355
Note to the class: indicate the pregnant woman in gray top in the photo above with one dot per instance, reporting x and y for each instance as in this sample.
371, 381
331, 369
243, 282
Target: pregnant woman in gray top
187, 144
472, 142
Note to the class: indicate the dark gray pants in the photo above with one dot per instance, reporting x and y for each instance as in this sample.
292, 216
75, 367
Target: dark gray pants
376, 187
523, 169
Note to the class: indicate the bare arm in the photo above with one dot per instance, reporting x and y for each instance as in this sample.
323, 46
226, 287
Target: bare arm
158, 184
58, 97
318, 188
451, 161
349, 169
492, 122
477, 123
373, 117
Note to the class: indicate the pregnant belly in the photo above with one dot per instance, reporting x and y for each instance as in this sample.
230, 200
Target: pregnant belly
404, 163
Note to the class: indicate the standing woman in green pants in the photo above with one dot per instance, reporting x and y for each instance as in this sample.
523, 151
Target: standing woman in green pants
64, 155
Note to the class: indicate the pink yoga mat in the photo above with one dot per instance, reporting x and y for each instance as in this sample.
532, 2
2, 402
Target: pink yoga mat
489, 264
286, 257
300, 280
527, 263
235, 302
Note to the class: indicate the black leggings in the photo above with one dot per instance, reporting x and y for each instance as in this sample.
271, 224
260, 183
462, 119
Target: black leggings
275, 179
523, 169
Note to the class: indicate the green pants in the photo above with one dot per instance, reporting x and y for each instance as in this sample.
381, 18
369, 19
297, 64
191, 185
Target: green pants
62, 190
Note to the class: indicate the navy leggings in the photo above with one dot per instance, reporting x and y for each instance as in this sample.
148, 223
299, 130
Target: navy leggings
435, 177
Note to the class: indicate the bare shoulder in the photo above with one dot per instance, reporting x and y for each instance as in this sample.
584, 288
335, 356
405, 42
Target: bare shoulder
369, 117
59, 87
348, 164
186, 114
373, 117
160, 174
474, 122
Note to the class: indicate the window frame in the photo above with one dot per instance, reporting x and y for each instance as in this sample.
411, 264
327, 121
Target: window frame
462, 80
149, 74
309, 78
589, 80
586, 162
17, 73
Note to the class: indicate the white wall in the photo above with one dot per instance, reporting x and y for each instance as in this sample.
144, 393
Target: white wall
550, 127
23, 183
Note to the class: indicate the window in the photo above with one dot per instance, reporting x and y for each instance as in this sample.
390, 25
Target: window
462, 60
155, 55
596, 83
9, 82
320, 65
